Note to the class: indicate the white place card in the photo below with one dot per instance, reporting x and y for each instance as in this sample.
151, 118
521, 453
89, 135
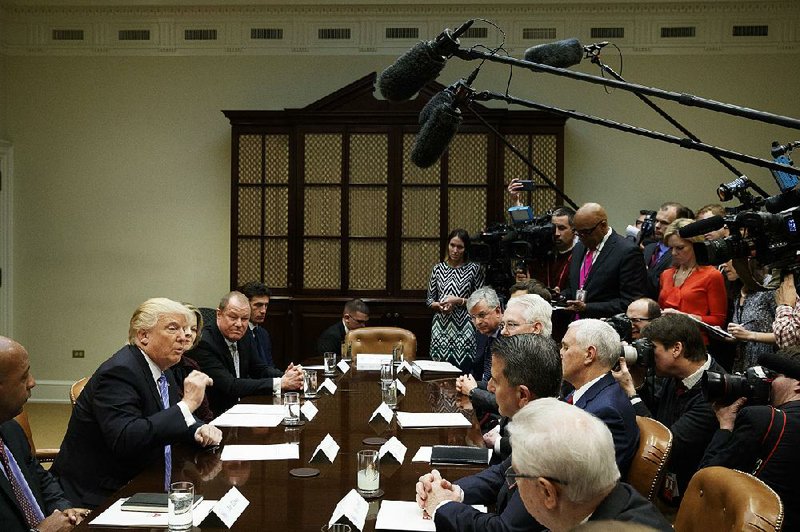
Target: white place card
327, 448
277, 451
406, 515
343, 366
404, 366
309, 410
394, 449
242, 408
383, 411
423, 454
249, 420
369, 362
352, 507
431, 419
327, 385
401, 388
231, 506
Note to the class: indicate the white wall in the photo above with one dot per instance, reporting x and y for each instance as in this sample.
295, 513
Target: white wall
123, 168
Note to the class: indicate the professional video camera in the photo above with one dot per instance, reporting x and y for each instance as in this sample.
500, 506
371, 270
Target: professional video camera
755, 384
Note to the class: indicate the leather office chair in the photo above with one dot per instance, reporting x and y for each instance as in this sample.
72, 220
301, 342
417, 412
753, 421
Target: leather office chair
381, 340
209, 315
76, 389
648, 466
719, 498
43, 455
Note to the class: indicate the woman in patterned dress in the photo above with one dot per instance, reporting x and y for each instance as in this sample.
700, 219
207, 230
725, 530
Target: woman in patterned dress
451, 283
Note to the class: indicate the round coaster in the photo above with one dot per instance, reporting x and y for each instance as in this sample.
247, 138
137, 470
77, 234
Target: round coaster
375, 495
375, 440
304, 472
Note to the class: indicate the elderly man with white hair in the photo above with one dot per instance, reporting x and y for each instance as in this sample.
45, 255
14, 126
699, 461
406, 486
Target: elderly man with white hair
564, 469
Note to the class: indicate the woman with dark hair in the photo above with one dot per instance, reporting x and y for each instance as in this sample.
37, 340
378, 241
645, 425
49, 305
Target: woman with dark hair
451, 283
187, 364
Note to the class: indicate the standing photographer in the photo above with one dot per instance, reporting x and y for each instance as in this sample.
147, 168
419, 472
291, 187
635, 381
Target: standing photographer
763, 439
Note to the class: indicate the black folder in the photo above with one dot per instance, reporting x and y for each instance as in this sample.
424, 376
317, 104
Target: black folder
460, 455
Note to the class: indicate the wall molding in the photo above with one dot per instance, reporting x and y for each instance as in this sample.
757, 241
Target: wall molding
50, 391
769, 27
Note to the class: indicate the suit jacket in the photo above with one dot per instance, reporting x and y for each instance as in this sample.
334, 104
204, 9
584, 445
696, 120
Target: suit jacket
262, 344
214, 357
625, 504
118, 428
43, 485
606, 400
331, 340
487, 487
618, 276
483, 401
654, 272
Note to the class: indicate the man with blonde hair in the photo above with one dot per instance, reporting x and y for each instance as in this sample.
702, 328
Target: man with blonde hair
564, 468
129, 414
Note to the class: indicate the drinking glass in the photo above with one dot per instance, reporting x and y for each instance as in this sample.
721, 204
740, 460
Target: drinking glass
386, 375
369, 476
309, 383
291, 406
330, 363
180, 501
389, 395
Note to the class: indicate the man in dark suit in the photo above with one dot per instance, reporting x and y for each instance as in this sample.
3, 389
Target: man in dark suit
258, 295
607, 271
226, 353
564, 469
657, 255
484, 308
129, 413
588, 352
30, 498
680, 356
525, 367
354, 316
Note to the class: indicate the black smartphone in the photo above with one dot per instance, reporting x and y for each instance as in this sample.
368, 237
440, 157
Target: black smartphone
527, 184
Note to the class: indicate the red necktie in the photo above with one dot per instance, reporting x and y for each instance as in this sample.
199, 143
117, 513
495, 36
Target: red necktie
22, 500
586, 267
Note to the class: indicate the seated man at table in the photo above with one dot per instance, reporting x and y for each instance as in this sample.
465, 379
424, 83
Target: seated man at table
128, 415
228, 356
525, 368
565, 472
354, 316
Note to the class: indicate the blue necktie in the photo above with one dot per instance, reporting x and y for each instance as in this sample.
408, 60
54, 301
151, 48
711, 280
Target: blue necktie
25, 503
162, 390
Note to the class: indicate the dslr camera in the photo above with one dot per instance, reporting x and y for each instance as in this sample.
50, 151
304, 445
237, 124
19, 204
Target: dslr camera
723, 388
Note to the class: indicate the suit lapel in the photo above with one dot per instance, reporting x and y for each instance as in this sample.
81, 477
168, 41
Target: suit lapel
26, 472
146, 374
594, 390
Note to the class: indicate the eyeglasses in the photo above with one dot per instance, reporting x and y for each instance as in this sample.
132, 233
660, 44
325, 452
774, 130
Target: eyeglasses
512, 476
481, 315
510, 325
587, 232
639, 320
360, 322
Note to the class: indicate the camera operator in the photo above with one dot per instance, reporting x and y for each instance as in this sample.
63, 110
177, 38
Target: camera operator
680, 356
787, 314
763, 439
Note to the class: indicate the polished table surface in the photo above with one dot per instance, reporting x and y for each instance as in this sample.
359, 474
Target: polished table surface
280, 501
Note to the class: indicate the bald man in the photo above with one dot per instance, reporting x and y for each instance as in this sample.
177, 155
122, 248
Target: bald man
607, 271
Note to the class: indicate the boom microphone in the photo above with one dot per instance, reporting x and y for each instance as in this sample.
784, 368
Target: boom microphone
439, 125
419, 66
701, 227
559, 54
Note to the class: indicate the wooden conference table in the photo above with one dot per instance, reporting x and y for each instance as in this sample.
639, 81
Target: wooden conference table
279, 501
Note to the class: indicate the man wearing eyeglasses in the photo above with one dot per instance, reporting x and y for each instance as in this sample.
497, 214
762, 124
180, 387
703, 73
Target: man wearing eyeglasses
657, 255
525, 368
641, 312
607, 271
354, 316
484, 309
565, 473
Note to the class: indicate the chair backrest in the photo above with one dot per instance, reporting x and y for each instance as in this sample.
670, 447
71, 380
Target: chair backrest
719, 498
648, 466
76, 389
381, 340
209, 315
43, 455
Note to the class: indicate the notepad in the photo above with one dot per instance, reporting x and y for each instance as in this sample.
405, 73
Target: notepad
151, 502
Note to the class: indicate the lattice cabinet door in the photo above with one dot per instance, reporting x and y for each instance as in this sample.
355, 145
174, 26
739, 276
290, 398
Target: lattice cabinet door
543, 151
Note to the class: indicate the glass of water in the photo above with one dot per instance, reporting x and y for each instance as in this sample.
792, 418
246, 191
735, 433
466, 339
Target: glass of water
389, 395
291, 408
369, 476
179, 505
386, 375
309, 383
330, 363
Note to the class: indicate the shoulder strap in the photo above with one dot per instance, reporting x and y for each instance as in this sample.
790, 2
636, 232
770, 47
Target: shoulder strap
771, 439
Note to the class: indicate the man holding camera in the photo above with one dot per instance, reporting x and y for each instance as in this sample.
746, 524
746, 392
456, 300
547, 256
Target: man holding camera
763, 439
680, 356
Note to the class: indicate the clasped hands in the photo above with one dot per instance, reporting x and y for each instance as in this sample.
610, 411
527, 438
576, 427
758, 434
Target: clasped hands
432, 490
61, 520
465, 384
292, 378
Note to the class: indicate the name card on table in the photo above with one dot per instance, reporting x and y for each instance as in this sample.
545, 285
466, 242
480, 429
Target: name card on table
392, 450
328, 386
383, 411
352, 508
343, 366
230, 506
326, 450
401, 388
309, 410
404, 366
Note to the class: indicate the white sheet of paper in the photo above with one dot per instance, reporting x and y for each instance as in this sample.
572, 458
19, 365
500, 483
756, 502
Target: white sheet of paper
328, 447
231, 506
423, 454
343, 366
248, 420
114, 515
370, 362
353, 507
409, 420
315, 367
401, 388
384, 411
256, 409
278, 451
309, 410
406, 515
394, 447
437, 365
329, 385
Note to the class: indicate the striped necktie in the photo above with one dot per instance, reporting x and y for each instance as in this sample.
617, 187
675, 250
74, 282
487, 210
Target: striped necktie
162, 390
25, 504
